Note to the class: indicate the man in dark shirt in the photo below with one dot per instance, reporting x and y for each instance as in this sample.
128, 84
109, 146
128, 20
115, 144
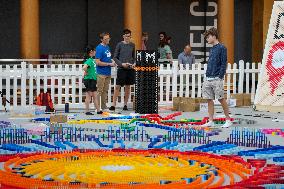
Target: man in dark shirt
213, 87
124, 57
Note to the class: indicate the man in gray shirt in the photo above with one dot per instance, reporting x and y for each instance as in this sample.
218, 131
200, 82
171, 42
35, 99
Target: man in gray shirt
124, 57
186, 57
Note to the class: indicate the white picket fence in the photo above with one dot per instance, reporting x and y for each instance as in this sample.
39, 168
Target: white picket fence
22, 83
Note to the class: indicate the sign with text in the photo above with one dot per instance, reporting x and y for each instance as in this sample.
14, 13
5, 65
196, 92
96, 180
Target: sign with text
203, 16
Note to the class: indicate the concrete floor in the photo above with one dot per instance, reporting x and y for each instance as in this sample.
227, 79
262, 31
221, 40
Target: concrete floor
262, 120
258, 120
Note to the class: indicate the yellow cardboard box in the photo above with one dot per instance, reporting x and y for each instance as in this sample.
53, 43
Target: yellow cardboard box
187, 104
247, 100
176, 102
58, 119
189, 107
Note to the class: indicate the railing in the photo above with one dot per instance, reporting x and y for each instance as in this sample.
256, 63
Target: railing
21, 83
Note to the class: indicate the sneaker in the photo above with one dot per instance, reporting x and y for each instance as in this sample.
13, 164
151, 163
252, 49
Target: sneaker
89, 113
227, 124
100, 112
208, 124
125, 107
112, 108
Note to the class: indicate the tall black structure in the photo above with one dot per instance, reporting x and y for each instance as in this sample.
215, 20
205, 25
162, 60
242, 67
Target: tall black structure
146, 87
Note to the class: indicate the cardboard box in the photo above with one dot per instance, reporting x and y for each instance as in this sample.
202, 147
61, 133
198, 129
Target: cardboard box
189, 107
176, 102
188, 100
189, 104
201, 100
239, 99
58, 119
242, 99
247, 100
181, 103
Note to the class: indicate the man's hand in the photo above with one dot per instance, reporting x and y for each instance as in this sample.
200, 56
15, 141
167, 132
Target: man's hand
133, 65
112, 64
126, 65
85, 73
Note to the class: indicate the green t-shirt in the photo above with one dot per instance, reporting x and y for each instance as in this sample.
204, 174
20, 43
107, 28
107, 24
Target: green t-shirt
164, 51
91, 71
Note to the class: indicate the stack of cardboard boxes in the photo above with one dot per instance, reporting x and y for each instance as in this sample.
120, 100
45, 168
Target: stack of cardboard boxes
242, 99
186, 104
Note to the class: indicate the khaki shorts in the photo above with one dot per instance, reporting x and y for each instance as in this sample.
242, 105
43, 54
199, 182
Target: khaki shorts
213, 89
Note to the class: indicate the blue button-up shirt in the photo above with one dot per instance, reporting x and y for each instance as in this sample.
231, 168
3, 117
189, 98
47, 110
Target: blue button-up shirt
186, 59
217, 62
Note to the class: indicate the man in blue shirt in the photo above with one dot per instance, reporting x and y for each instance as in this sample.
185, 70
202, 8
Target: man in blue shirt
104, 64
186, 57
212, 87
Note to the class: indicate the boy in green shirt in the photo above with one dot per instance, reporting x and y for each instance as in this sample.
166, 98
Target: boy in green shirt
90, 79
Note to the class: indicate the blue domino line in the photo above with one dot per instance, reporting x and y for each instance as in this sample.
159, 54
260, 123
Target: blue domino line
273, 149
278, 159
70, 144
15, 147
45, 144
60, 145
214, 143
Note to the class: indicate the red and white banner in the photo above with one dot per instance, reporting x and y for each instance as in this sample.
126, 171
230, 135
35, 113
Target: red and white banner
270, 90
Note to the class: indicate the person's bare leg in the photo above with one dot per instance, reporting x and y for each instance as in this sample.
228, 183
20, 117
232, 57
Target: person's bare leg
96, 103
210, 109
115, 95
127, 94
225, 108
87, 101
